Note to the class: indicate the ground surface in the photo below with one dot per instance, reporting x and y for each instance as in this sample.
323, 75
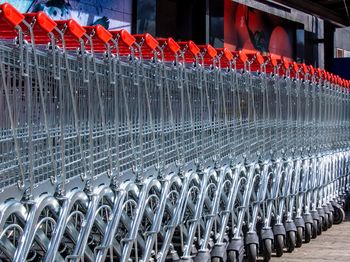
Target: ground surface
332, 245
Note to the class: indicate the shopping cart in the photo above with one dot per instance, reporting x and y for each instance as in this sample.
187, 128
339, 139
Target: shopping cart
120, 147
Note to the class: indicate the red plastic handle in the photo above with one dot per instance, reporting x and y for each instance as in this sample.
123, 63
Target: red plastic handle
285, 63
227, 53
259, 58
173, 46
211, 51
273, 61
242, 56
295, 67
193, 48
124, 36
151, 42
312, 69
127, 38
45, 22
11, 14
103, 34
75, 28
148, 39
305, 69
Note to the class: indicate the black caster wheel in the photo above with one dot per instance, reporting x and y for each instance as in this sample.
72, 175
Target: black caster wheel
314, 228
320, 226
291, 241
267, 249
251, 252
299, 237
330, 219
232, 256
325, 223
279, 245
308, 232
338, 215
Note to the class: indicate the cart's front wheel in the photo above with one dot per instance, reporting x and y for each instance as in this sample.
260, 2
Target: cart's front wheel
231, 256
319, 226
314, 228
251, 252
279, 245
291, 241
299, 237
308, 232
330, 220
325, 222
267, 249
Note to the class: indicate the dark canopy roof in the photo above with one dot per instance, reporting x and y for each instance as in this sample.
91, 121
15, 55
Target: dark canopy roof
335, 11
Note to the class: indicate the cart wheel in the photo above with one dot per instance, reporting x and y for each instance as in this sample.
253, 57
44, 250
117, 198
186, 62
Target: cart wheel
299, 237
291, 241
330, 220
319, 226
308, 232
251, 252
267, 249
314, 228
216, 259
325, 223
338, 215
231, 256
279, 245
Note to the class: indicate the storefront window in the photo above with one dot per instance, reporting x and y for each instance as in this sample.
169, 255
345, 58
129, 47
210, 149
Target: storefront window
146, 16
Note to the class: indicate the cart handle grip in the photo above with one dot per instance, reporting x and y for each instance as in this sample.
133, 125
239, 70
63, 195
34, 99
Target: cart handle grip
173, 45
11, 14
100, 32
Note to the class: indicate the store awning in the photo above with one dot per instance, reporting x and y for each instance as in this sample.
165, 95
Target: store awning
335, 11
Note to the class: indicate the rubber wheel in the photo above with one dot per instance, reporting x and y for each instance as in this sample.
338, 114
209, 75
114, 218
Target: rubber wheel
314, 228
299, 237
216, 259
325, 223
338, 215
330, 219
319, 226
279, 245
251, 252
308, 232
231, 256
291, 241
267, 249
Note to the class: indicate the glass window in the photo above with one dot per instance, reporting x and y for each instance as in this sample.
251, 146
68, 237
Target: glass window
146, 16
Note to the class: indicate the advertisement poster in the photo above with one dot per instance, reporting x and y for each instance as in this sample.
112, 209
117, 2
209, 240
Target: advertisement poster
251, 29
112, 14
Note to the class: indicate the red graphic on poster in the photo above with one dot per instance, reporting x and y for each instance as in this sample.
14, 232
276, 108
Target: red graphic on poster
251, 29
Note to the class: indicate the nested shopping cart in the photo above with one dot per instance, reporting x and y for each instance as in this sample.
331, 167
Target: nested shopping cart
120, 147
